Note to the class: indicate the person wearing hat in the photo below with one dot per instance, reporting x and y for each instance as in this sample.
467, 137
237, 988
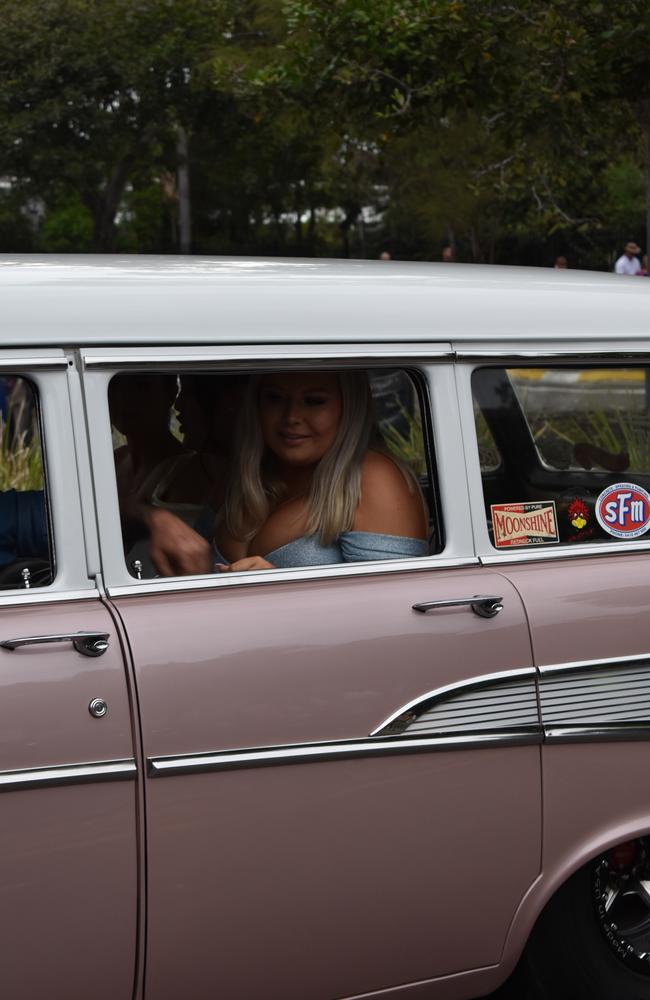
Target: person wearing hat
628, 262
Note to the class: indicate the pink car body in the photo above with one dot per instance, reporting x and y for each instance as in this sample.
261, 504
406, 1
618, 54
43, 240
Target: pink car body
299, 787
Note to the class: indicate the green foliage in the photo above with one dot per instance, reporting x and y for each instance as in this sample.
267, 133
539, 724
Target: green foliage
146, 221
625, 194
67, 228
21, 465
515, 131
16, 232
408, 447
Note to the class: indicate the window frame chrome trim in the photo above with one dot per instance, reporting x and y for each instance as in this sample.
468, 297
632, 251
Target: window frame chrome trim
252, 578
458, 551
388, 355
457, 687
488, 555
120, 769
60, 470
570, 356
27, 364
303, 753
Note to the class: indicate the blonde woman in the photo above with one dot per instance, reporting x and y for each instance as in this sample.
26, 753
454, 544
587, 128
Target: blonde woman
311, 488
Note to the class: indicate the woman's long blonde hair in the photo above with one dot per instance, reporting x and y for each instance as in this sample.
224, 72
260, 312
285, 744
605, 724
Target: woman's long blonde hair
335, 489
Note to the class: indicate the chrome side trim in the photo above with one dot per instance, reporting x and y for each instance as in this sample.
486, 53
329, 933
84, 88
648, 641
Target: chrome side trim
606, 733
424, 702
552, 668
278, 576
304, 753
605, 697
68, 774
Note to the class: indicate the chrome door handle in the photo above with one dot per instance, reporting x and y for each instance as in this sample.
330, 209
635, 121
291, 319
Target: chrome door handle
485, 606
87, 643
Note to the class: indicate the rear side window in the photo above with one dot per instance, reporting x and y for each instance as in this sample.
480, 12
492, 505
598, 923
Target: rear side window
26, 555
271, 469
574, 447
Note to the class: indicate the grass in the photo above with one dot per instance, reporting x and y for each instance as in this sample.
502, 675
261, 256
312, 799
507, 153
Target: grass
615, 431
409, 447
489, 456
21, 460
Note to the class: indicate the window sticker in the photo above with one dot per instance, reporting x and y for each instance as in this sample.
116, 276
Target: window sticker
524, 524
580, 520
623, 510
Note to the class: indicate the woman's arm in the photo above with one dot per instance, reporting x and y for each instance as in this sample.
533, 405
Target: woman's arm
389, 505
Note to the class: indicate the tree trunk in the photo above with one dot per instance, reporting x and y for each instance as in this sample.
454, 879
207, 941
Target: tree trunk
311, 229
106, 210
646, 168
477, 253
361, 226
184, 204
643, 117
349, 220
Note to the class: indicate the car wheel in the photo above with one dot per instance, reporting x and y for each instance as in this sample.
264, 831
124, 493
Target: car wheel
592, 941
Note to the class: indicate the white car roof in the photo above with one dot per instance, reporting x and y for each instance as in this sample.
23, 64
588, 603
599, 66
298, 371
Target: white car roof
93, 300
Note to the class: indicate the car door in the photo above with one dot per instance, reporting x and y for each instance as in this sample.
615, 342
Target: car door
586, 590
68, 849
342, 792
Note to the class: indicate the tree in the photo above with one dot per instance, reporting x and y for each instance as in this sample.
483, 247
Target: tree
89, 91
565, 84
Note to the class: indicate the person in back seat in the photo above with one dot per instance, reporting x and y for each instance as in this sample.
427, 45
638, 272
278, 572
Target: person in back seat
315, 484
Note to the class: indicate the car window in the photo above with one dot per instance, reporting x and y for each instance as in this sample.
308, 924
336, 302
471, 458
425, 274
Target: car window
271, 470
575, 453
488, 453
26, 553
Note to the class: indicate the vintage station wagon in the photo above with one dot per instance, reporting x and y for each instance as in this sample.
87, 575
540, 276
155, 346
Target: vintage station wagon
365, 773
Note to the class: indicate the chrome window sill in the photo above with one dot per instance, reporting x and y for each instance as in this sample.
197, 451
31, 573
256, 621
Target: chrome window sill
45, 595
587, 551
278, 576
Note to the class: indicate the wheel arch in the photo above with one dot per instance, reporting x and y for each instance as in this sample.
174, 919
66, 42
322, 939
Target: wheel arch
557, 869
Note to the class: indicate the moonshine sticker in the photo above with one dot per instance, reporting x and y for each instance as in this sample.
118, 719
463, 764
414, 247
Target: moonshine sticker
524, 524
623, 510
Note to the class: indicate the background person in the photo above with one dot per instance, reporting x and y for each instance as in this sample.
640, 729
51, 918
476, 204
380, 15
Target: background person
146, 467
628, 262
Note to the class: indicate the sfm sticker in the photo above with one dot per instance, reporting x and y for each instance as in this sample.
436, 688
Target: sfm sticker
623, 510
524, 523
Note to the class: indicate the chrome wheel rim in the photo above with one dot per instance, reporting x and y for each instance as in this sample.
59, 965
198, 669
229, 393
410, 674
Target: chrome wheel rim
621, 885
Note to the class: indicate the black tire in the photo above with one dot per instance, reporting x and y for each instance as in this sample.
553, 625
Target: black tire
570, 955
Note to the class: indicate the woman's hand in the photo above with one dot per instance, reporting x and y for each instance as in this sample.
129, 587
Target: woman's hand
175, 548
241, 565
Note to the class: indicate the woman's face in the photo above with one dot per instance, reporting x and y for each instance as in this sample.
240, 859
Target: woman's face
300, 413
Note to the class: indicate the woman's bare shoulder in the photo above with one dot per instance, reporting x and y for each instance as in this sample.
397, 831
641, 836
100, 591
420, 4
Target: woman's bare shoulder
390, 504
